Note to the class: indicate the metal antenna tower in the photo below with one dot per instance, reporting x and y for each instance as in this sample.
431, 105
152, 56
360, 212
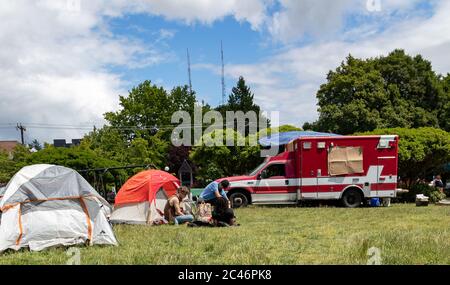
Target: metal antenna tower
189, 70
223, 74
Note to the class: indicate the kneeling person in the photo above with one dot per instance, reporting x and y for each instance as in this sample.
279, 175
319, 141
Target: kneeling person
214, 191
222, 214
173, 211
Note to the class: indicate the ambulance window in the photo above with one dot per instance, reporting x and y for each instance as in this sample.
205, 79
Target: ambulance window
275, 170
257, 169
306, 145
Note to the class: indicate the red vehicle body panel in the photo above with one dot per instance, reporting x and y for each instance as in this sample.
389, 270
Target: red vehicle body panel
307, 175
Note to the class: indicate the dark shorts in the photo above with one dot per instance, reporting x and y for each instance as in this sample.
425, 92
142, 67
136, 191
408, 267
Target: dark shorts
225, 216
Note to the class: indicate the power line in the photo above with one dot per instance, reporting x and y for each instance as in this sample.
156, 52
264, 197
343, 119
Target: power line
121, 128
22, 129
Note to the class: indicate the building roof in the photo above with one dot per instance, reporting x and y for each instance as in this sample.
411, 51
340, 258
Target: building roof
8, 146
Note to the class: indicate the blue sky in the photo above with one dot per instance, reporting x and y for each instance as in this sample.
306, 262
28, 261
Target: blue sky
66, 61
241, 45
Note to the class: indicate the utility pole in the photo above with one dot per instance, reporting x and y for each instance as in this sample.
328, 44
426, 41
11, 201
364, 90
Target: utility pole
189, 71
22, 129
223, 74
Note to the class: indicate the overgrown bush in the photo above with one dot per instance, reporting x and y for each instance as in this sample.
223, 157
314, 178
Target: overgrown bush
420, 188
436, 196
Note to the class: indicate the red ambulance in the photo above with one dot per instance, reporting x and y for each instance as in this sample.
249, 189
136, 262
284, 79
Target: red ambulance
347, 168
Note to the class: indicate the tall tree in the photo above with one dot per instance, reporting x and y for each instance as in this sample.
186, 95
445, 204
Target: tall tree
242, 99
36, 145
445, 112
143, 124
385, 92
146, 107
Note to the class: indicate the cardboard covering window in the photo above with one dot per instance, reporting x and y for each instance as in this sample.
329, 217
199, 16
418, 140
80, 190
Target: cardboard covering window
345, 160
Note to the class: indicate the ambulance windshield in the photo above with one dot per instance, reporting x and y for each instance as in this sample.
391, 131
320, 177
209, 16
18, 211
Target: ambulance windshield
257, 169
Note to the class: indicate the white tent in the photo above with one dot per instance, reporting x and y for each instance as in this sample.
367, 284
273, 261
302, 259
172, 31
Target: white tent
48, 205
2, 192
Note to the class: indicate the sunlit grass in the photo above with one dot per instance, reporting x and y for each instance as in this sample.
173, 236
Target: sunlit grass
405, 234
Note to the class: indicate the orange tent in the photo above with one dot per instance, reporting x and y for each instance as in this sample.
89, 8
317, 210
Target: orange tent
142, 198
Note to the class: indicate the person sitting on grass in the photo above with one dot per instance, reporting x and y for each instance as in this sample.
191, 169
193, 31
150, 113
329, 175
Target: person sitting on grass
437, 183
215, 190
173, 211
222, 214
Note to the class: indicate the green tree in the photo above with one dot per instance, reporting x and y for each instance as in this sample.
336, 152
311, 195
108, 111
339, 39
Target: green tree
385, 92
7, 167
279, 129
36, 145
76, 157
146, 108
242, 99
182, 100
217, 161
422, 151
108, 142
140, 131
214, 162
445, 112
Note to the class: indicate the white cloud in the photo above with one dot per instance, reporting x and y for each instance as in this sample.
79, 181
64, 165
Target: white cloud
307, 16
323, 18
189, 11
55, 58
55, 55
55, 63
289, 80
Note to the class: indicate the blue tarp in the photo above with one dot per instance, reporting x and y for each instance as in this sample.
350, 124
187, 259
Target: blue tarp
285, 138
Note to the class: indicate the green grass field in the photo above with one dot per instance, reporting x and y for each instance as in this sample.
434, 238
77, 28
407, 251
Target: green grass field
405, 234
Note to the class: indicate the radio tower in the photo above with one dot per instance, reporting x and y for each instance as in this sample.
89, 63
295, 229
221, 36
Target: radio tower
189, 70
223, 74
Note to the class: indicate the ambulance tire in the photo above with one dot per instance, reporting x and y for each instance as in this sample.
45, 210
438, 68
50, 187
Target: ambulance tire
238, 199
352, 198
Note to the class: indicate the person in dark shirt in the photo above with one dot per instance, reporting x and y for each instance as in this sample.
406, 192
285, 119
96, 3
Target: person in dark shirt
111, 197
222, 214
437, 182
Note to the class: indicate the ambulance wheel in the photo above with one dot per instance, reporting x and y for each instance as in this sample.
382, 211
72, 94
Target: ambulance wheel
238, 199
351, 198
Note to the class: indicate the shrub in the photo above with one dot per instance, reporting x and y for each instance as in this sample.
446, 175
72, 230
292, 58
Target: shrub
436, 196
420, 188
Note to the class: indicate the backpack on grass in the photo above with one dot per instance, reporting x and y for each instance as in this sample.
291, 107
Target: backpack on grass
204, 212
